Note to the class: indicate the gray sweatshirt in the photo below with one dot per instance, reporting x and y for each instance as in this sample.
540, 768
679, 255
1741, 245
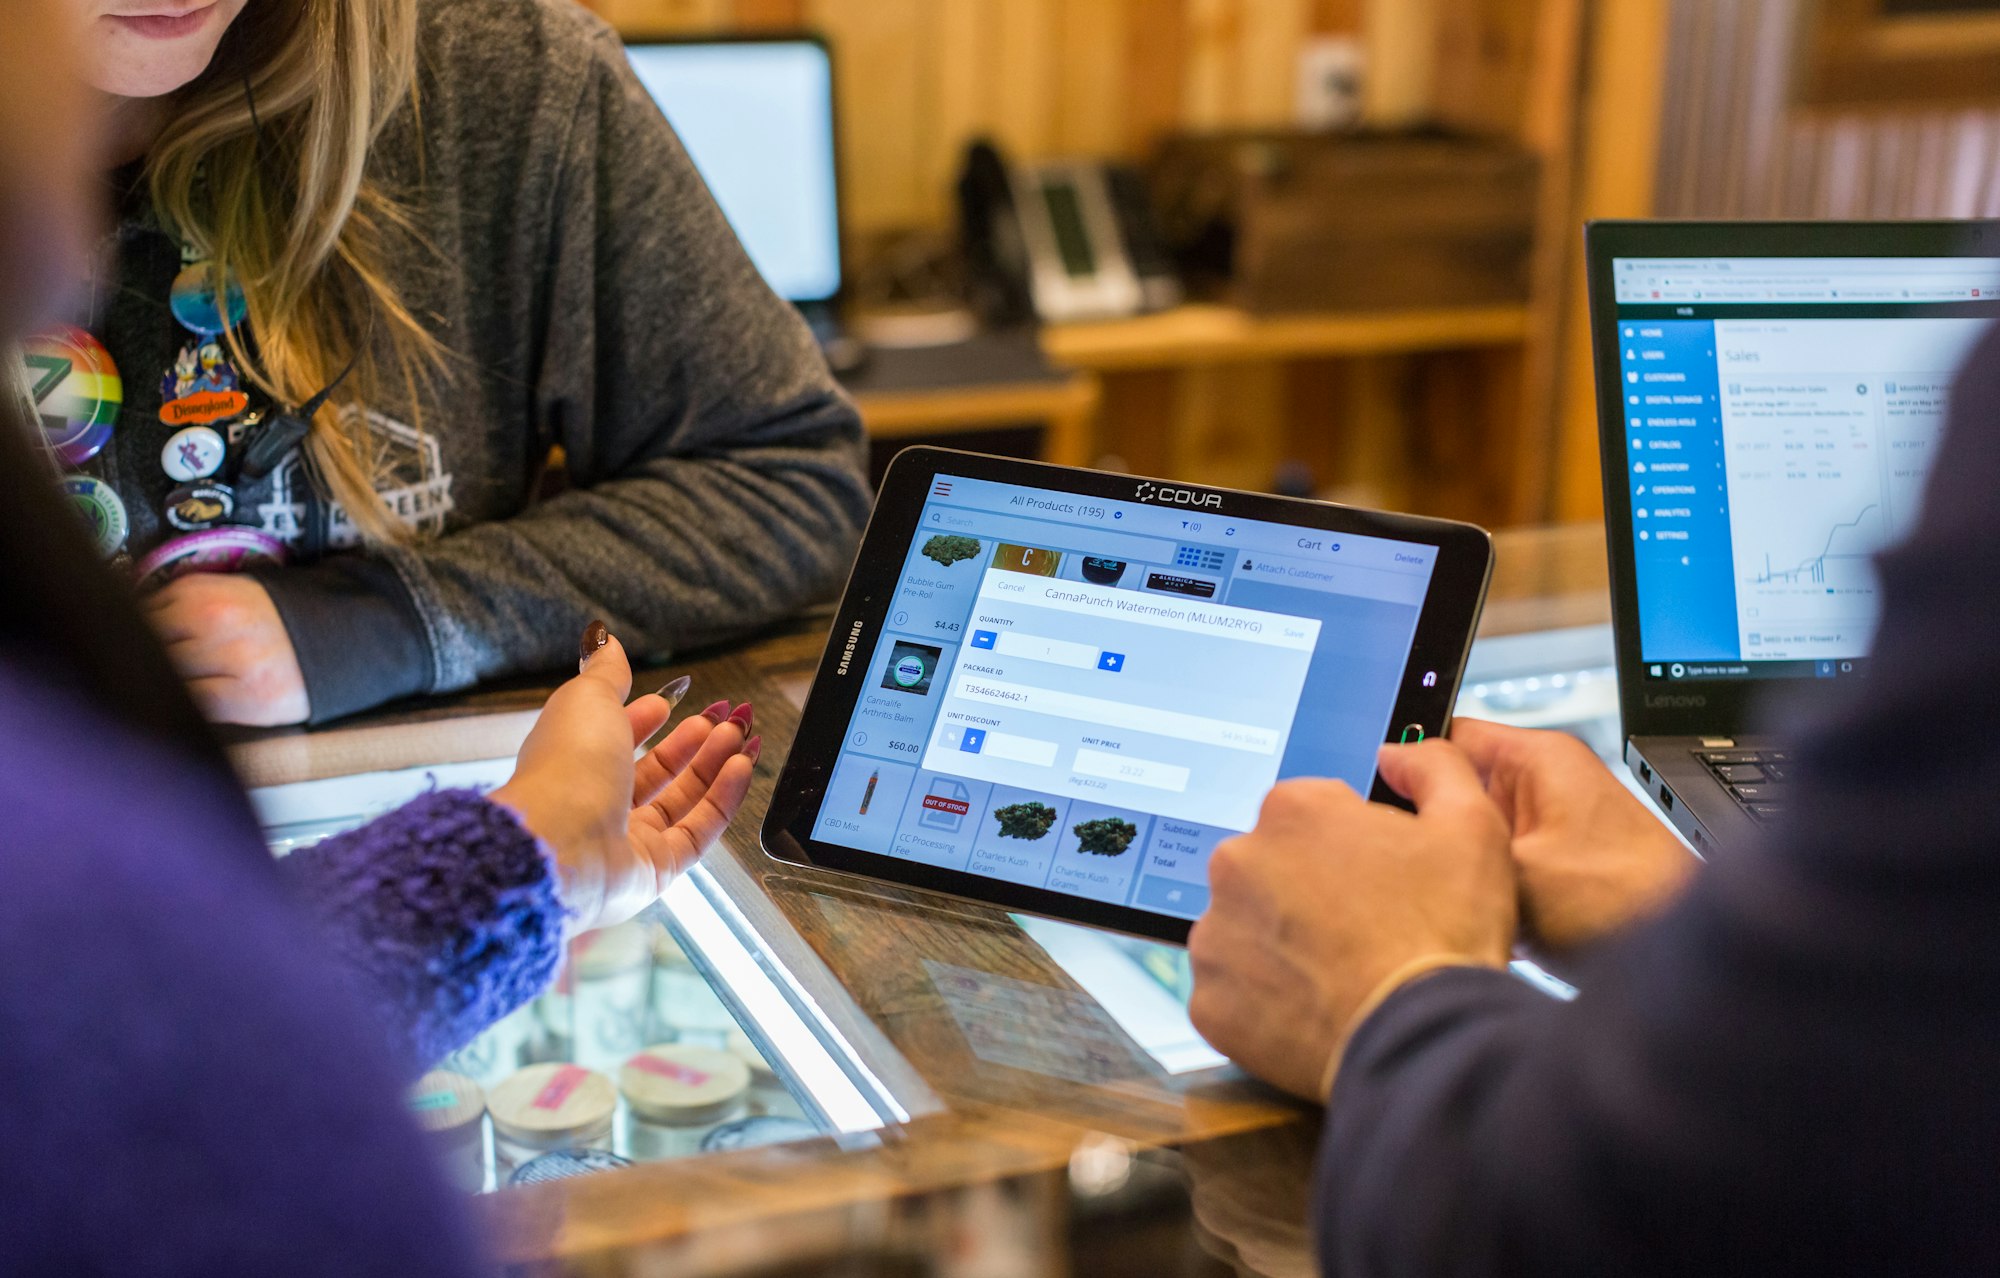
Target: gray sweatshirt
592, 296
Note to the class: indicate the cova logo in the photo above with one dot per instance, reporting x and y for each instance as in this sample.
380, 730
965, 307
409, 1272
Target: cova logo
1150, 491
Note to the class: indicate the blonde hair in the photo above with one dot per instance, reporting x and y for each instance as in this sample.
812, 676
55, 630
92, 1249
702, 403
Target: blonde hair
264, 171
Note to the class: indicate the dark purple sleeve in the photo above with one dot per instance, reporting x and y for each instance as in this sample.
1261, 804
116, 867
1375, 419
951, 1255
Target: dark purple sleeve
188, 1086
444, 914
1793, 1070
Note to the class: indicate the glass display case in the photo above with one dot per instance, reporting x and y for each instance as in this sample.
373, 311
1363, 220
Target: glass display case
672, 1035
684, 1032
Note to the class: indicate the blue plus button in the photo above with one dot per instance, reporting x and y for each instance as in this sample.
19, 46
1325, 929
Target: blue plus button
974, 742
1113, 661
983, 638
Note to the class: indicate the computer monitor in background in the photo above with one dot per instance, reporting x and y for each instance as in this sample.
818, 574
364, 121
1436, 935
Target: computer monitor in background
756, 116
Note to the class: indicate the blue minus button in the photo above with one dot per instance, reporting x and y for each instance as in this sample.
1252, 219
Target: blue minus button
974, 741
983, 638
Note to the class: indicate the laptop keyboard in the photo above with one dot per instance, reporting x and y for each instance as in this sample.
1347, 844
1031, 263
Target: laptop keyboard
1759, 779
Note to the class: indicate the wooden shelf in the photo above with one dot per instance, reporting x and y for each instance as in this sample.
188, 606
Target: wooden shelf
1064, 408
897, 413
1212, 334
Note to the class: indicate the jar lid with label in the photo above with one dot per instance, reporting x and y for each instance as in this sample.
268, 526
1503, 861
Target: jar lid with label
552, 1106
447, 1105
566, 1163
751, 1133
683, 1086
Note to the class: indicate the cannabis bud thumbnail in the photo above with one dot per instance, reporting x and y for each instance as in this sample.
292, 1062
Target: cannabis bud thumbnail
1028, 821
1106, 836
948, 549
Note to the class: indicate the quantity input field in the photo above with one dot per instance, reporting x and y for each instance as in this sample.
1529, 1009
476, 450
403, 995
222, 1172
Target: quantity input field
1059, 652
1118, 714
1150, 773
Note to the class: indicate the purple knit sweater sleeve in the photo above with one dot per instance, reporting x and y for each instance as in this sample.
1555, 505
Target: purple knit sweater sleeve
444, 913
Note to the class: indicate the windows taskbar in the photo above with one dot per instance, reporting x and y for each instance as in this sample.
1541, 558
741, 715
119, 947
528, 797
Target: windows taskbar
1823, 668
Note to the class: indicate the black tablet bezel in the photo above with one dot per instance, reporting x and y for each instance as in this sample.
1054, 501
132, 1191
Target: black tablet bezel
1452, 604
1712, 707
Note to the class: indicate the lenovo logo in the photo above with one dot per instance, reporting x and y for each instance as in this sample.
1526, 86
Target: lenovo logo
1675, 701
847, 651
1162, 494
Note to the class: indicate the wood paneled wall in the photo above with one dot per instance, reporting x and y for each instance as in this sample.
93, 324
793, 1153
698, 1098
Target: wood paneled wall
920, 78
1739, 144
1716, 103
1473, 435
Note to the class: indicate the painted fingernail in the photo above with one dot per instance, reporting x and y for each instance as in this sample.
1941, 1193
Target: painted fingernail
752, 748
716, 713
595, 636
674, 691
741, 716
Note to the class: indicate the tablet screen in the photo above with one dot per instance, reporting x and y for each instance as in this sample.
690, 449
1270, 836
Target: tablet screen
1085, 695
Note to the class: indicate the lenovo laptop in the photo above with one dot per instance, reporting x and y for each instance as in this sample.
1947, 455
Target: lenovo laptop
756, 114
1770, 397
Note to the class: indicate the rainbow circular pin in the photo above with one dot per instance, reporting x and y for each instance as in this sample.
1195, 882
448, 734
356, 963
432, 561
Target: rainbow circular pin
203, 308
77, 392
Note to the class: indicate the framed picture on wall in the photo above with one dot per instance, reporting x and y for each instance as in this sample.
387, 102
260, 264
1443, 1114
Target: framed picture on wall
1860, 53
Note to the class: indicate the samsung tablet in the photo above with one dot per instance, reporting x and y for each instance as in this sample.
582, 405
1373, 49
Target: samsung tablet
1056, 690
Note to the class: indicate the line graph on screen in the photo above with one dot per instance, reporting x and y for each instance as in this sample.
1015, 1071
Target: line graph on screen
1814, 568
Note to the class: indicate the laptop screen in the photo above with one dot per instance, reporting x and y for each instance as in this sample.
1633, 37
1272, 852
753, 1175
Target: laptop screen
1781, 415
757, 119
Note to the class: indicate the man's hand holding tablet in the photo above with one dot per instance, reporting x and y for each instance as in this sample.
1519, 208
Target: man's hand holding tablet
1333, 903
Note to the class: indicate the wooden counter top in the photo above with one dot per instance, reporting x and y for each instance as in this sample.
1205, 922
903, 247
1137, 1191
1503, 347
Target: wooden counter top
954, 1000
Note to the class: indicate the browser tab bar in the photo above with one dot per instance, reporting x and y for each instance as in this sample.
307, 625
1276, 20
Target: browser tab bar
1792, 281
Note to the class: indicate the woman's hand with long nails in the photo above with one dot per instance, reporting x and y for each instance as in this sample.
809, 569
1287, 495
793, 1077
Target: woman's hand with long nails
620, 831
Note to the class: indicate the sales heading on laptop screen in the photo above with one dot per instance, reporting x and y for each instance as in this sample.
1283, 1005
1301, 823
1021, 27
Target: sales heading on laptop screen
1087, 696
1781, 417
